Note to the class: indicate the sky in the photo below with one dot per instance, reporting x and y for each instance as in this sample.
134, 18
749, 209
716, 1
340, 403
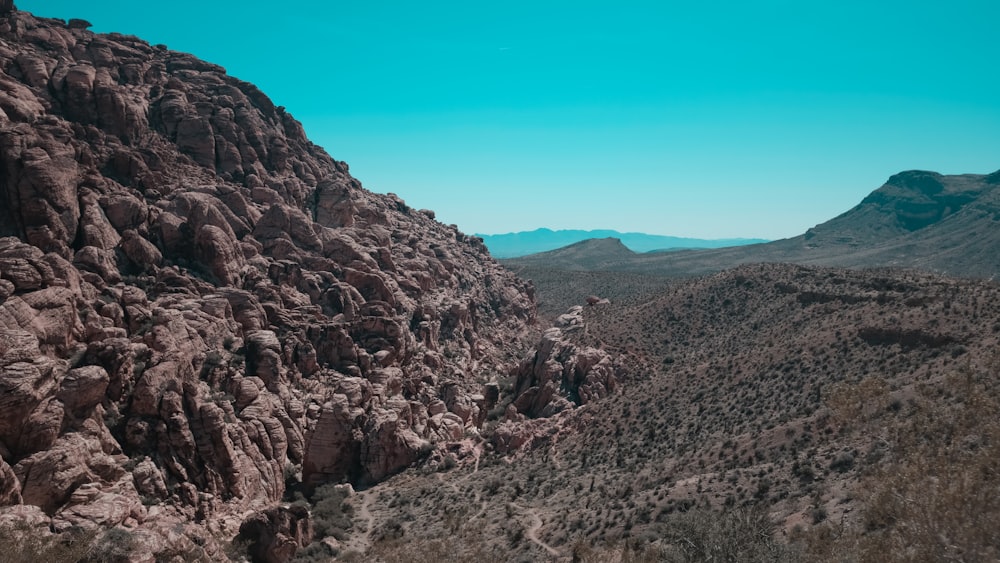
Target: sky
712, 119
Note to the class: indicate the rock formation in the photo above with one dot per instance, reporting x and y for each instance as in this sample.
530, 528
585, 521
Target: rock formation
556, 378
275, 534
560, 375
195, 300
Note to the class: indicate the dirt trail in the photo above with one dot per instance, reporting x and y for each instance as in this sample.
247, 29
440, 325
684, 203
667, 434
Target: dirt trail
361, 539
451, 484
531, 532
482, 508
553, 452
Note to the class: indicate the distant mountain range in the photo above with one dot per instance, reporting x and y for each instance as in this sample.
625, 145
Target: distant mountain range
512, 245
942, 223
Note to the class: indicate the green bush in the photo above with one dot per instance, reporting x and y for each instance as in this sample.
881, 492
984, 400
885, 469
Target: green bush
331, 514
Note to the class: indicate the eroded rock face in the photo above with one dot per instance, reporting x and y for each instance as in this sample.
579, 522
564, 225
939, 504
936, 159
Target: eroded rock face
275, 534
560, 375
194, 298
557, 377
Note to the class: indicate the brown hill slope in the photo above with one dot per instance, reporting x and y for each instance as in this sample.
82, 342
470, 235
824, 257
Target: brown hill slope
791, 391
198, 304
925, 220
590, 254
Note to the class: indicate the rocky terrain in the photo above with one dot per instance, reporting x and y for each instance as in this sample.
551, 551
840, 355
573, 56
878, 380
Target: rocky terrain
199, 308
769, 413
216, 345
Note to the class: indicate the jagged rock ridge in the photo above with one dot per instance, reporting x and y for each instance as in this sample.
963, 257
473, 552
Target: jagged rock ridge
196, 300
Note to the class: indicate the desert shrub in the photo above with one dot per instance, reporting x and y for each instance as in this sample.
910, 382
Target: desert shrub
315, 552
237, 549
330, 512
23, 544
448, 463
114, 546
854, 402
818, 514
938, 499
585, 553
434, 550
742, 535
392, 529
934, 494
843, 462
331, 515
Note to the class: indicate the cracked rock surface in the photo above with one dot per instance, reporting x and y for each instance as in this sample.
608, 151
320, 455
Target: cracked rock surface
196, 300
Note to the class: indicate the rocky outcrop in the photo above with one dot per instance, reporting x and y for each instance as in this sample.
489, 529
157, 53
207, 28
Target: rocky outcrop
570, 320
560, 375
273, 535
197, 302
10, 486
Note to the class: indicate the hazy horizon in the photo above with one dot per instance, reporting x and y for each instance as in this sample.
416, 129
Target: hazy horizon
714, 121
600, 230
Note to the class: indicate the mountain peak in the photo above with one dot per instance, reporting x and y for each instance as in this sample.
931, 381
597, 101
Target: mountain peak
922, 181
590, 254
595, 247
524, 243
916, 199
606, 244
917, 219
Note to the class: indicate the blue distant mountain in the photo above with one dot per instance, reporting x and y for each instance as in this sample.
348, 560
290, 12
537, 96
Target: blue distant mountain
513, 245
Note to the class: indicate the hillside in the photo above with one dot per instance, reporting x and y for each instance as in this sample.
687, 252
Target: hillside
513, 245
200, 309
923, 220
586, 255
216, 345
765, 402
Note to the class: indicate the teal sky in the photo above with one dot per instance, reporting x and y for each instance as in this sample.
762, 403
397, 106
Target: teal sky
702, 119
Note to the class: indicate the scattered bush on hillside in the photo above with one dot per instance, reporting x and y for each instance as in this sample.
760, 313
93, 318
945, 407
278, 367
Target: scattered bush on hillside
939, 499
448, 549
584, 553
853, 403
113, 546
741, 535
935, 495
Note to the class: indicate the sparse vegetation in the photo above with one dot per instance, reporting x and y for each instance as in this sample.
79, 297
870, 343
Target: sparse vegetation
743, 535
331, 512
23, 544
774, 415
934, 496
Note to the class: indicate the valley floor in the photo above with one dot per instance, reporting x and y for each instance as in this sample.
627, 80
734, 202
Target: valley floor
770, 413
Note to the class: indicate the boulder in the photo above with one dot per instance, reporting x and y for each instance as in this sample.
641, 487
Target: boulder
275, 534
